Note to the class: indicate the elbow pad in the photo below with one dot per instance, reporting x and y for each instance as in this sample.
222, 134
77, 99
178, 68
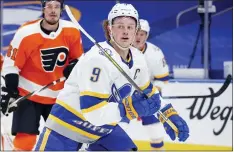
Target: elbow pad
12, 81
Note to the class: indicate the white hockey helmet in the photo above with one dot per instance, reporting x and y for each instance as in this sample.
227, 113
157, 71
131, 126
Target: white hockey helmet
144, 25
123, 9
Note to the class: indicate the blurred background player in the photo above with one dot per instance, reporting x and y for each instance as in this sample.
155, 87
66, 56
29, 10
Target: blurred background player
38, 55
89, 111
159, 75
158, 68
2, 59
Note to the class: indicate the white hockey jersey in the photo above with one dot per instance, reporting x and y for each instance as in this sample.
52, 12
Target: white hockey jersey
157, 65
87, 108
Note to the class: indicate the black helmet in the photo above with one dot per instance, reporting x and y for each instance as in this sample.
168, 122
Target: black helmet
44, 1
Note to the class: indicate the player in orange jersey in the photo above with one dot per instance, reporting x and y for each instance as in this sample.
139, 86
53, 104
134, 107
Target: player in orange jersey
38, 54
2, 58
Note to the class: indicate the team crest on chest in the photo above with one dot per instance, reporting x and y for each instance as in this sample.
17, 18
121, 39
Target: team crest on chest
118, 94
53, 57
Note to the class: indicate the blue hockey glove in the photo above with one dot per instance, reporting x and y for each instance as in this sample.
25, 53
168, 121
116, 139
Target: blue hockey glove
135, 105
171, 114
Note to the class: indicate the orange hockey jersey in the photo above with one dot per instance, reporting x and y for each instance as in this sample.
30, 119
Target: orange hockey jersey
39, 58
2, 59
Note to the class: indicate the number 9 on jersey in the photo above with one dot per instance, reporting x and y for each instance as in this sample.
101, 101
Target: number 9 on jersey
95, 74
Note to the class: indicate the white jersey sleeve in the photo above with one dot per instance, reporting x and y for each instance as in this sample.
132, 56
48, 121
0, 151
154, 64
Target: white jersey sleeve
16, 47
94, 89
157, 65
70, 93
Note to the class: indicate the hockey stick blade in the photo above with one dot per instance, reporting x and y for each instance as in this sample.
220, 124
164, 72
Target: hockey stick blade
216, 94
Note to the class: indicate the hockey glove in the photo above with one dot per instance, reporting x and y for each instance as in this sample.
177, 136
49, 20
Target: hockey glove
181, 125
67, 70
8, 97
136, 105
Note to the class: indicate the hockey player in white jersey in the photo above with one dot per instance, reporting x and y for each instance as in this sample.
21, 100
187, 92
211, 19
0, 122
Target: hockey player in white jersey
158, 68
159, 75
96, 96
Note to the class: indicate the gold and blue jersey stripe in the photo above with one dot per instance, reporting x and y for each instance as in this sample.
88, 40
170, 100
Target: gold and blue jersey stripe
149, 89
162, 77
90, 101
68, 120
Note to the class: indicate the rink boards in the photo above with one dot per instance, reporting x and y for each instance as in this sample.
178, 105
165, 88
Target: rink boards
209, 119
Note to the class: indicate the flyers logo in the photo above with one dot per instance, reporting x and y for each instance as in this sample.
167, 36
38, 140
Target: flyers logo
53, 57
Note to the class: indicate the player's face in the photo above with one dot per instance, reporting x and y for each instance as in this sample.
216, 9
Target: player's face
140, 39
124, 30
52, 12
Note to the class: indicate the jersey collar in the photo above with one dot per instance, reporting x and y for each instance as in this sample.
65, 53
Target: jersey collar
129, 62
145, 48
52, 35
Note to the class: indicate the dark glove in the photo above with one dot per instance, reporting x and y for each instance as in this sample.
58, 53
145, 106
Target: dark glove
67, 70
8, 97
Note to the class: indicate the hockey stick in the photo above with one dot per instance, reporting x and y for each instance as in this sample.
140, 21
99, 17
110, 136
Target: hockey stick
216, 94
69, 13
4, 135
13, 104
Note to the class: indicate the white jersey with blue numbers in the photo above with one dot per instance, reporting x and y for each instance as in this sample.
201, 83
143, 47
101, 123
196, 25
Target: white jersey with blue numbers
87, 108
157, 65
